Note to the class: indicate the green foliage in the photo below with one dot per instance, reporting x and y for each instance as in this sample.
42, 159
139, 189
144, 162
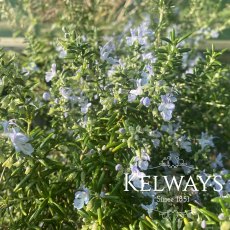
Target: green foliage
70, 133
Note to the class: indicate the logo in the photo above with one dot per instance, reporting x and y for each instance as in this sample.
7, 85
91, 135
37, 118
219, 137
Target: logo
170, 184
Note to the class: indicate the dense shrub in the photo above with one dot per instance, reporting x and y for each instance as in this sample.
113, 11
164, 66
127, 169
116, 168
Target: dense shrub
81, 112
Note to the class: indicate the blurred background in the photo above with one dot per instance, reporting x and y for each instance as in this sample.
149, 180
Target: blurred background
47, 18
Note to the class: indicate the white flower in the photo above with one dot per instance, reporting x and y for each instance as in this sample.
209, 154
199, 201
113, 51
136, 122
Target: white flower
81, 198
166, 107
49, 75
203, 224
206, 140
221, 216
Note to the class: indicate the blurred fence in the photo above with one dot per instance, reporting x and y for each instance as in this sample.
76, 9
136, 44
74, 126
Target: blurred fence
7, 41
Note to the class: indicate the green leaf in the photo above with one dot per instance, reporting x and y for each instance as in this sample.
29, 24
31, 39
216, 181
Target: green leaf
46, 140
184, 37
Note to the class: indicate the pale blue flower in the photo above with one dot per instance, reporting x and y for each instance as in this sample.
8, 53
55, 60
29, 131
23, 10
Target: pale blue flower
206, 140
51, 74
5, 125
81, 198
149, 69
149, 56
46, 96
224, 171
187, 169
134, 37
20, 142
149, 191
155, 133
65, 92
85, 107
170, 128
122, 131
156, 142
62, 52
218, 161
136, 176
216, 185
136, 92
143, 161
150, 208
31, 67
227, 186
91, 152
185, 144
174, 157
145, 101
139, 35
204, 177
146, 74
56, 101
132, 97
18, 139
106, 51
166, 107
118, 167
102, 194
